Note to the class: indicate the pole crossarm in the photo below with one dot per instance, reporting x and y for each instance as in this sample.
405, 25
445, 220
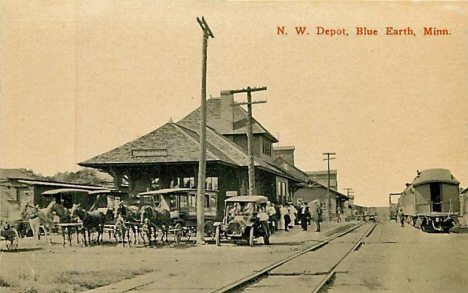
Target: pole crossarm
329, 154
249, 89
205, 27
247, 103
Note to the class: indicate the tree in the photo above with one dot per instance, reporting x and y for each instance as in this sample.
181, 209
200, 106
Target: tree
83, 176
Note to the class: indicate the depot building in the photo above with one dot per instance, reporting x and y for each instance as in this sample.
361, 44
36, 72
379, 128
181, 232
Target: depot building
168, 156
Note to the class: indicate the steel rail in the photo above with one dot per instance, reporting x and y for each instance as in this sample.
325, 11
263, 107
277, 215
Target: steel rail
241, 282
333, 270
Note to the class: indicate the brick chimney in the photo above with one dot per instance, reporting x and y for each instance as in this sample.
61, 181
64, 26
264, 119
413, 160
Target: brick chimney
226, 112
285, 152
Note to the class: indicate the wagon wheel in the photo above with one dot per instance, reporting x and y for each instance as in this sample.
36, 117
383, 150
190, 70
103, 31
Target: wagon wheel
217, 236
177, 233
12, 241
209, 229
251, 236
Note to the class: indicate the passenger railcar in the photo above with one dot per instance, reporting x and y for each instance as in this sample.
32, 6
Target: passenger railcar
431, 202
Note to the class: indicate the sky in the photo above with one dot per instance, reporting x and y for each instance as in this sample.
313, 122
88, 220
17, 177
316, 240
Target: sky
79, 78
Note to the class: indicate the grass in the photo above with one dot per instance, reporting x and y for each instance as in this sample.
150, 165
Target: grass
58, 269
93, 279
68, 281
4, 283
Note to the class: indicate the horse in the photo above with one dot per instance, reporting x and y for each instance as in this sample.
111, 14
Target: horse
154, 218
64, 215
130, 215
37, 217
94, 219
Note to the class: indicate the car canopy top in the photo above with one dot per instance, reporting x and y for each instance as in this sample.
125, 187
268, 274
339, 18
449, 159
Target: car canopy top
106, 191
173, 190
65, 191
248, 198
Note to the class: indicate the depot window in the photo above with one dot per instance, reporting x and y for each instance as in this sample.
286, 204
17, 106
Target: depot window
266, 147
211, 183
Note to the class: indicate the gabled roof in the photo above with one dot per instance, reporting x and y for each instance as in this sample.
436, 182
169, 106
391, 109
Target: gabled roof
170, 143
291, 169
213, 107
173, 143
13, 173
315, 184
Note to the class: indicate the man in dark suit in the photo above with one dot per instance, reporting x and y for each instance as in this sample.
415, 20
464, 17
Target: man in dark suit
317, 216
304, 214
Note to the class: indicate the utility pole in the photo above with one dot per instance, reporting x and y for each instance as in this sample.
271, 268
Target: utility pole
202, 159
348, 191
249, 104
329, 157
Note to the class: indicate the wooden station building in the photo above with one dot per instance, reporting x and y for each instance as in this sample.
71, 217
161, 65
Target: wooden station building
168, 156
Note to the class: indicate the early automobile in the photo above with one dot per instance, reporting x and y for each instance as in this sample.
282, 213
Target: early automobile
245, 218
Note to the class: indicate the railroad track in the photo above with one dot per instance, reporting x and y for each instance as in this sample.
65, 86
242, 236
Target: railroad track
294, 270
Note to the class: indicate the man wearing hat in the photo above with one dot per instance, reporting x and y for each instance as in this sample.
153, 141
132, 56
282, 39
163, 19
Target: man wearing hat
303, 215
317, 215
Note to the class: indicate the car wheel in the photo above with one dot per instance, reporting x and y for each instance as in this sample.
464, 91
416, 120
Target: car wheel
251, 238
217, 236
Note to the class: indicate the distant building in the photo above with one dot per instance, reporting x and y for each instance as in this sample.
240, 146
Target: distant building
316, 191
17, 187
285, 152
322, 177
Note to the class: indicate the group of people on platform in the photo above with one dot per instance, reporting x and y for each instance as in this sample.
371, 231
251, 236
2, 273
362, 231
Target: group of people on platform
285, 217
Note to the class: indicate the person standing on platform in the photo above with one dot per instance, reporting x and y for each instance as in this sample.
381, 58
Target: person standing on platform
338, 214
402, 218
304, 214
270, 210
283, 212
292, 214
317, 216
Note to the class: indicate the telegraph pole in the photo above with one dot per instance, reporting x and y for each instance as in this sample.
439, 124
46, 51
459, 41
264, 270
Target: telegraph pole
202, 159
348, 191
329, 157
249, 104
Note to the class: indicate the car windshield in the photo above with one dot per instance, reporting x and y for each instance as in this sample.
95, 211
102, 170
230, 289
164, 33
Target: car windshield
241, 208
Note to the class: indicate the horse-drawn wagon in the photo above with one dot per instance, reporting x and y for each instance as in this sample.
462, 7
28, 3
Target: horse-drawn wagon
9, 234
180, 205
245, 218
